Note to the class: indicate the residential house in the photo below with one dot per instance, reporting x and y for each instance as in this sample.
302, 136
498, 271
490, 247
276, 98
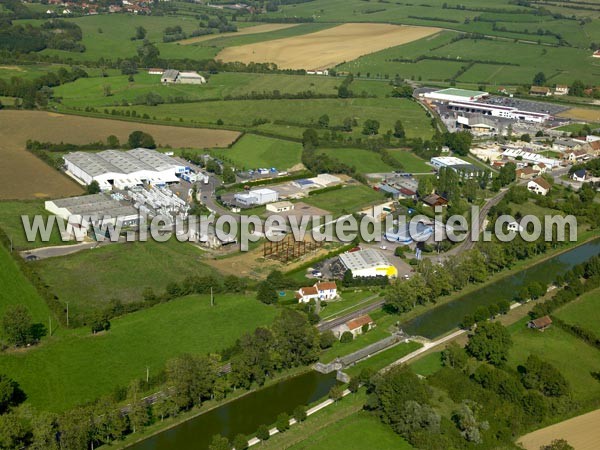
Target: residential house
579, 175
435, 200
540, 324
526, 173
541, 91
539, 186
563, 145
540, 167
515, 226
575, 155
561, 89
354, 326
325, 290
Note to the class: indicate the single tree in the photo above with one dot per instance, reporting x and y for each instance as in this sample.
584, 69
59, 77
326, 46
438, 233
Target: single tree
17, 325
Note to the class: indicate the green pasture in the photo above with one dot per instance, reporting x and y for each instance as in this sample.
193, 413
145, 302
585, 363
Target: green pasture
297, 113
347, 200
77, 367
583, 312
92, 91
90, 279
574, 358
253, 151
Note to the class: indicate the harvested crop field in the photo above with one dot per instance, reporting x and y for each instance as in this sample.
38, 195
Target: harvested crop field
25, 176
265, 28
582, 432
590, 115
327, 48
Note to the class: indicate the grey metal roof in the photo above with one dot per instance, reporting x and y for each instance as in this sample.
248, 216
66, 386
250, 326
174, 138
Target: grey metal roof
117, 161
170, 73
364, 259
95, 205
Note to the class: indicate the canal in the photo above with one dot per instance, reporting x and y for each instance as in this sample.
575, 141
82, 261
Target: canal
243, 415
247, 413
444, 318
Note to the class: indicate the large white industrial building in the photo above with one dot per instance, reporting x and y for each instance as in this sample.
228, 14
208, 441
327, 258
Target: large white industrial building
368, 263
460, 166
257, 197
124, 169
473, 102
455, 95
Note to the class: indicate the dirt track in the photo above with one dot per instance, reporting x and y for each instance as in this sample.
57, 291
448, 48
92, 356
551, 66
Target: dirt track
326, 48
265, 28
23, 176
582, 432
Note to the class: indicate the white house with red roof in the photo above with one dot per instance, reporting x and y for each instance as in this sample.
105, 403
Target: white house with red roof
325, 290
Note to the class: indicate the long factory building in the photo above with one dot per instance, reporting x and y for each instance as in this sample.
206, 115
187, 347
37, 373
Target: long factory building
124, 169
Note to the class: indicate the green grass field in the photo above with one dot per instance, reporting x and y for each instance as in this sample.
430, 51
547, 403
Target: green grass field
88, 280
427, 365
584, 312
346, 200
560, 64
571, 356
16, 289
242, 113
11, 223
365, 161
91, 91
253, 151
384, 359
359, 430
76, 367
410, 161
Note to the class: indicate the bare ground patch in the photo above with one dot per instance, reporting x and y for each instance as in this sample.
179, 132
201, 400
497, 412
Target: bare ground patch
25, 177
327, 48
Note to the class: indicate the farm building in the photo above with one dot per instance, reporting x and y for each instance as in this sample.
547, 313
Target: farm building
257, 197
539, 186
456, 95
368, 263
540, 91
540, 324
171, 76
596, 54
326, 290
278, 207
460, 166
155, 71
354, 326
80, 213
124, 169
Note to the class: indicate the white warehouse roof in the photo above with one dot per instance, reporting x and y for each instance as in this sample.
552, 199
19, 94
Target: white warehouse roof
363, 259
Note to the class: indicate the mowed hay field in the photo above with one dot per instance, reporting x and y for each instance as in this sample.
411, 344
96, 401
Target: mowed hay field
264, 28
327, 48
590, 115
582, 432
24, 176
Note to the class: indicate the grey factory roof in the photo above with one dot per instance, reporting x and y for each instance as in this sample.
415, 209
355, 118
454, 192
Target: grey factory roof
363, 259
117, 161
170, 73
95, 204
